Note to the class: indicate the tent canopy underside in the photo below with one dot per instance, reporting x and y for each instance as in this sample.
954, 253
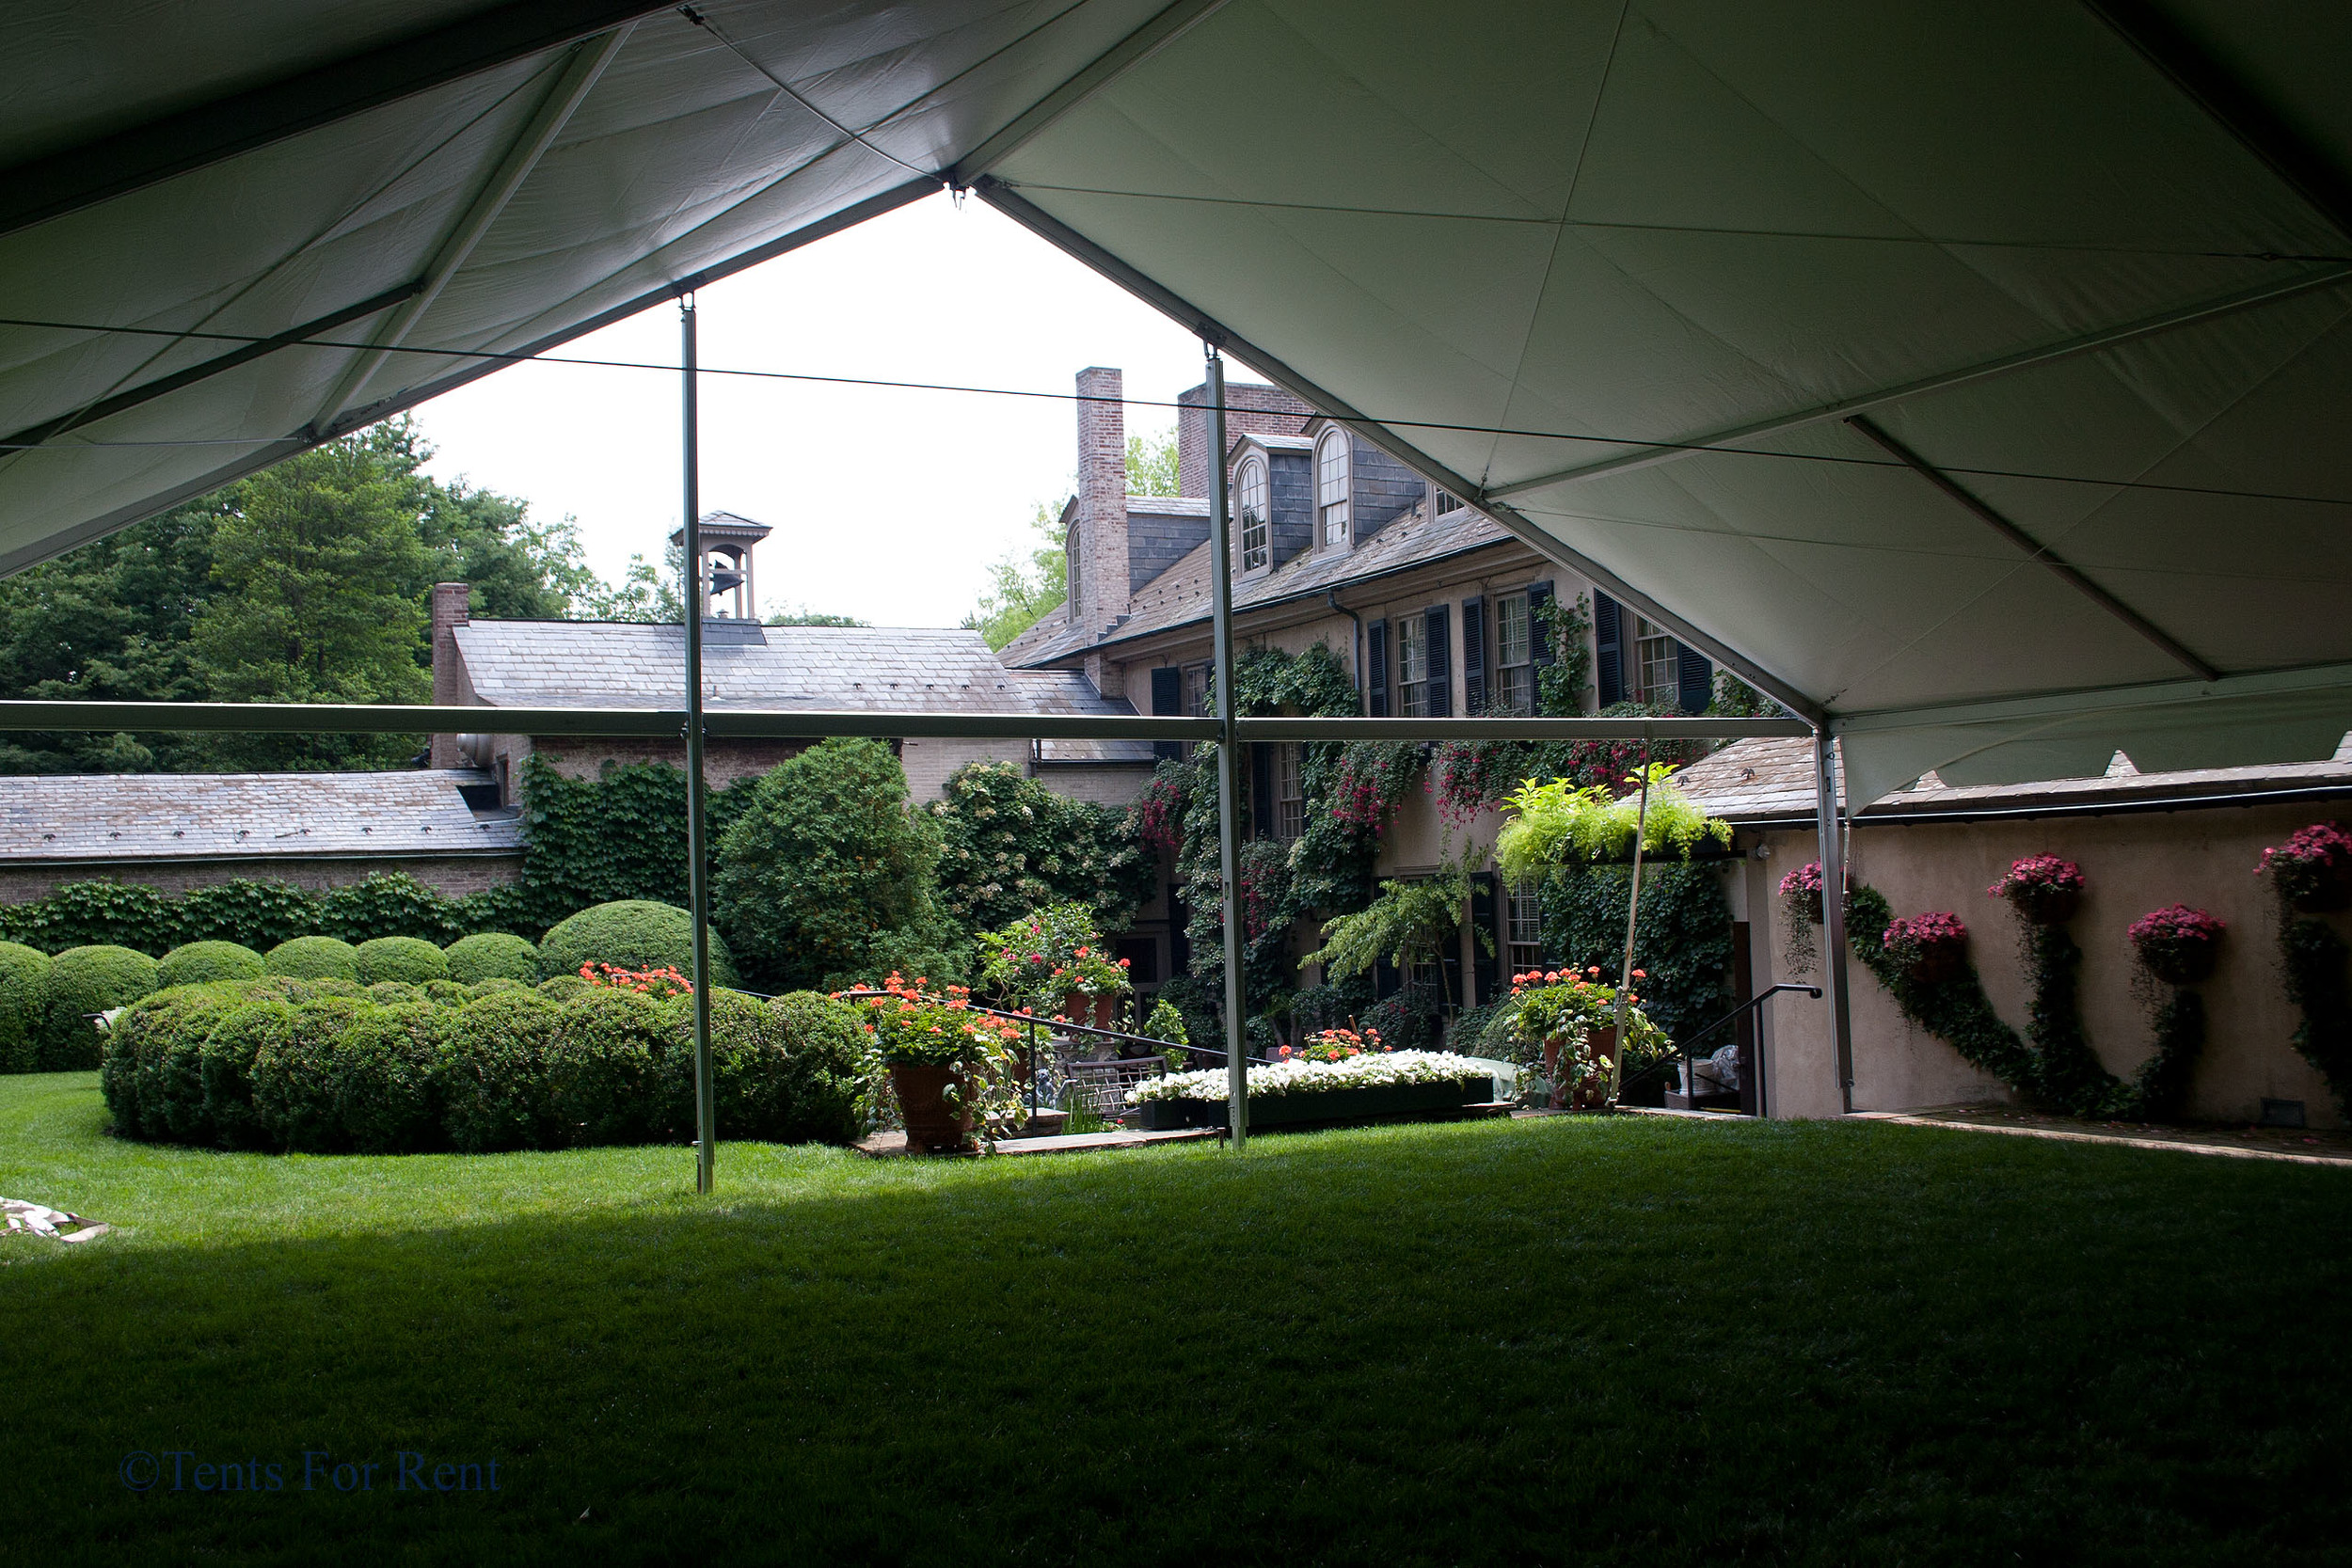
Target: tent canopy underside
1973, 374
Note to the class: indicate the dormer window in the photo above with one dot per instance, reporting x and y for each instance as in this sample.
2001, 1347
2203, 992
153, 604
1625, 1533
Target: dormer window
1070, 576
1249, 489
1447, 501
1331, 479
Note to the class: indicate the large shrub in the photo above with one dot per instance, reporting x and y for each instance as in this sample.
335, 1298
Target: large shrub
24, 997
492, 1073
197, 963
313, 958
86, 980
828, 866
621, 1068
1682, 942
788, 1071
259, 914
634, 933
409, 958
1009, 845
492, 955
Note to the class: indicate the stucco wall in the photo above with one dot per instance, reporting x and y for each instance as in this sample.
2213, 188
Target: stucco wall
2132, 864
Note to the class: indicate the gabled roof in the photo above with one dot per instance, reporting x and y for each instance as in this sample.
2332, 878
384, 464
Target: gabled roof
245, 817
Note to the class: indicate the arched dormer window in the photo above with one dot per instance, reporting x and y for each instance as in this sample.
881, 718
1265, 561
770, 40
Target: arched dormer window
1331, 480
1072, 579
1249, 504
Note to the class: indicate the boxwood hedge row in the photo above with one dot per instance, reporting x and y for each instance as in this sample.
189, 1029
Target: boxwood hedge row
325, 1066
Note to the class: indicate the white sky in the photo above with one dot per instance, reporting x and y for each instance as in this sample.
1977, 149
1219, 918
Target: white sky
887, 504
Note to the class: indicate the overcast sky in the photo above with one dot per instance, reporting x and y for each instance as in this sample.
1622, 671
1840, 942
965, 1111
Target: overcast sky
887, 504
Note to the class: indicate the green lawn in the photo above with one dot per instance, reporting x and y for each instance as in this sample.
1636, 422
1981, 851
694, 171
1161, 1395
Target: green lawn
1631, 1340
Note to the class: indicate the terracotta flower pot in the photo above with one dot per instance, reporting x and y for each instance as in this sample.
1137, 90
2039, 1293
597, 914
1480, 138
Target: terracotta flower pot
1592, 1092
933, 1125
1101, 1012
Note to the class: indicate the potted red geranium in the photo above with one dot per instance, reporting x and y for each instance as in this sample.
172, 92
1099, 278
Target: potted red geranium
2042, 888
947, 1062
2177, 944
2313, 869
1092, 984
1932, 948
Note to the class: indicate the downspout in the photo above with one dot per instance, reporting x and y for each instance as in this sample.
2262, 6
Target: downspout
1356, 662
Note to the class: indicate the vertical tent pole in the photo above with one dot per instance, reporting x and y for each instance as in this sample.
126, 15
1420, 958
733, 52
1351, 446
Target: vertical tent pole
1227, 759
1632, 910
697, 892
1832, 909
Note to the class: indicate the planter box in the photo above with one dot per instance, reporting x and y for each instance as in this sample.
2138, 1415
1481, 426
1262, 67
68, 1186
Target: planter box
1324, 1105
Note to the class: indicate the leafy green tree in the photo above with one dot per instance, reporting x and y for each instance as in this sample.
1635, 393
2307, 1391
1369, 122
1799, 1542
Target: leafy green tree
828, 871
1151, 464
1008, 845
1022, 590
646, 594
798, 616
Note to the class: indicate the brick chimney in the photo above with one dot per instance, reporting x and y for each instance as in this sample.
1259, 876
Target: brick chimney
1252, 409
1101, 597
451, 609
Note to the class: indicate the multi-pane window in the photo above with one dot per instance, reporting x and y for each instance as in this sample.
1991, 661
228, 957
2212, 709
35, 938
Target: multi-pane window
1515, 655
1412, 667
1290, 793
1447, 501
1523, 930
1196, 691
1657, 660
1250, 495
1331, 487
1071, 575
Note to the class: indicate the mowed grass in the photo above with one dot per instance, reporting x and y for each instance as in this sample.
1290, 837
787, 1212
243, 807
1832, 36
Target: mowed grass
1629, 1340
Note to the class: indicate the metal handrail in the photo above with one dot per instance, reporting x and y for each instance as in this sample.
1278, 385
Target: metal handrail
1683, 1051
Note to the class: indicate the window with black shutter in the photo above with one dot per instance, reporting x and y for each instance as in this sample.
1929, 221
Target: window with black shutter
1474, 654
1538, 611
1485, 918
1695, 677
1261, 791
1376, 658
1608, 649
1167, 701
1440, 662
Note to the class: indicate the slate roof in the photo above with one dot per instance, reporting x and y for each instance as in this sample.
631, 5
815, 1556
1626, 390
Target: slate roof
1180, 595
245, 817
1769, 780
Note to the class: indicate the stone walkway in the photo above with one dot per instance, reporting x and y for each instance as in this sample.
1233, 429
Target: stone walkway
2311, 1148
889, 1146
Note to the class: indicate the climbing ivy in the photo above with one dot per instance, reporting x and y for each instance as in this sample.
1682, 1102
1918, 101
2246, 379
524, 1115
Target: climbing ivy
1009, 845
259, 914
2320, 987
1682, 937
619, 836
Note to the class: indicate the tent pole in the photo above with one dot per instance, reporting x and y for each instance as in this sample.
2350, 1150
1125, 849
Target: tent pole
697, 889
1228, 761
1632, 911
1832, 909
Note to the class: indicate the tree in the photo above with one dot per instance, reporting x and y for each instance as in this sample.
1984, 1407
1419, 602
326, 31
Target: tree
645, 593
1151, 464
827, 877
800, 616
1020, 593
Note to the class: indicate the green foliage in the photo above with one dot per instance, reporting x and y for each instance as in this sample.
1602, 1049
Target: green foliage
1023, 587
256, 915
313, 958
829, 870
1009, 845
632, 933
198, 962
24, 1006
1151, 469
1021, 963
1410, 923
409, 958
2161, 1087
2319, 986
1556, 822
596, 841
319, 1067
1681, 938
492, 955
81, 981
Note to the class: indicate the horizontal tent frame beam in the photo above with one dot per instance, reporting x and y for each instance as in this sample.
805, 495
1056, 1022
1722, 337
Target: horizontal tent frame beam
817, 723
2057, 707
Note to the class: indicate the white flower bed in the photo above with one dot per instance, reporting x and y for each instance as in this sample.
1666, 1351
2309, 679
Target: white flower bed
1357, 1072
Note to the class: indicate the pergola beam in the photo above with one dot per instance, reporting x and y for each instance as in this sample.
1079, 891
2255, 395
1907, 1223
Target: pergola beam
194, 139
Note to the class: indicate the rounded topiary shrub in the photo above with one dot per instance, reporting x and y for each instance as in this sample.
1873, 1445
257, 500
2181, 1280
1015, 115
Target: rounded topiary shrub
409, 958
491, 1076
787, 1071
200, 963
82, 981
313, 958
621, 1069
634, 933
152, 1075
492, 955
24, 995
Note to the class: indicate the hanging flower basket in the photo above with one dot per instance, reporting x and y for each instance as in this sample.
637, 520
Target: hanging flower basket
1932, 948
2042, 888
2177, 945
2313, 869
1801, 891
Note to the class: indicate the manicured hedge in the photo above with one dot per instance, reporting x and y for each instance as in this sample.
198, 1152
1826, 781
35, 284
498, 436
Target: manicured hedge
409, 958
197, 963
24, 1002
492, 955
86, 980
313, 958
324, 1067
633, 933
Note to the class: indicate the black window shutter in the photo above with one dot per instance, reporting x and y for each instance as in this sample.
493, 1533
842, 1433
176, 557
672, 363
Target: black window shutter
1168, 699
1376, 659
1485, 918
1695, 679
1474, 654
1440, 662
1260, 790
1608, 649
1538, 595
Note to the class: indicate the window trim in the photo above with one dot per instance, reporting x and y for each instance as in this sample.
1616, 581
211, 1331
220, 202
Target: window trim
1290, 790
1253, 522
1505, 666
1412, 692
1335, 478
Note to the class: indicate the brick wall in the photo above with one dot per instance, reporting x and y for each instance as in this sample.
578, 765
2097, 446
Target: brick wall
454, 876
1250, 409
450, 612
724, 761
1100, 596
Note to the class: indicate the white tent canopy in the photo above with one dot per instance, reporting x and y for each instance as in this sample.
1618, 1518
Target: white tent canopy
1974, 377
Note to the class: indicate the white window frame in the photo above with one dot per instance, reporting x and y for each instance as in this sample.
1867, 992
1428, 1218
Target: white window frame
1411, 635
1074, 578
1447, 504
1523, 927
1249, 493
1334, 471
1197, 684
1654, 651
1290, 791
1515, 668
